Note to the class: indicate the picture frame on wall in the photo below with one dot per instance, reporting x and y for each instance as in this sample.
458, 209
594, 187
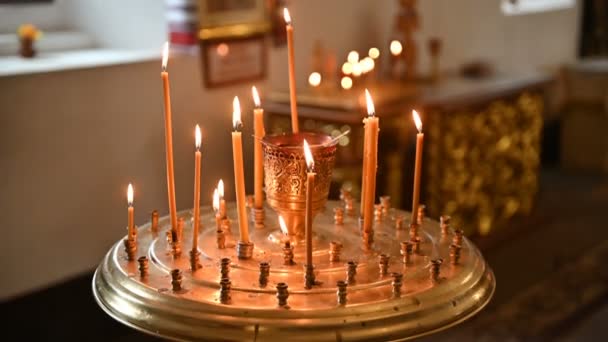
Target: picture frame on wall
231, 61
232, 18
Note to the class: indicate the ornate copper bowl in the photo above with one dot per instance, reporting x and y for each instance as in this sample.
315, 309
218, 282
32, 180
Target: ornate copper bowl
285, 175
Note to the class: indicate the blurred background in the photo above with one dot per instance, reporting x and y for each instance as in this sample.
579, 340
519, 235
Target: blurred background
513, 96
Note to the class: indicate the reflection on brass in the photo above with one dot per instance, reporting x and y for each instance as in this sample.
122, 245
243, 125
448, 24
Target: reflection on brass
493, 153
285, 175
176, 280
342, 292
154, 221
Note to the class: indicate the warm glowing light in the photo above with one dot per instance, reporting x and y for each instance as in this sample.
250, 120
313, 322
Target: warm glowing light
367, 64
223, 49
353, 57
357, 69
165, 55
283, 225
310, 162
371, 110
417, 121
314, 79
396, 47
197, 137
216, 200
374, 53
130, 195
286, 16
346, 82
256, 97
347, 68
220, 188
236, 113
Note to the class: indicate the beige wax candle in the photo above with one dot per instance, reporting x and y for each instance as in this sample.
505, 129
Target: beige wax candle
131, 213
371, 126
292, 72
310, 185
197, 188
418, 166
216, 208
169, 138
239, 176
259, 132
364, 167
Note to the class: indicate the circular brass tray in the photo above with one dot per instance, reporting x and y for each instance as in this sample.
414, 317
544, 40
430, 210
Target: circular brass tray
371, 313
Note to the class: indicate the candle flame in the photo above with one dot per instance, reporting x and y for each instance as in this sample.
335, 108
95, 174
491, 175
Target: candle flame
165, 55
236, 113
283, 225
310, 162
371, 110
216, 200
197, 137
417, 121
396, 47
286, 16
314, 79
353, 57
130, 195
374, 53
346, 82
220, 188
256, 97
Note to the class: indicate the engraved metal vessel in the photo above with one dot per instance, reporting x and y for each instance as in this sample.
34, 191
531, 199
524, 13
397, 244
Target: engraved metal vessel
285, 175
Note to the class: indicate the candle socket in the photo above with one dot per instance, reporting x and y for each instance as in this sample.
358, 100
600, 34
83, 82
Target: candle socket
309, 276
444, 223
130, 248
455, 254
406, 252
225, 226
397, 284
378, 216
385, 202
345, 194
421, 214
225, 286
351, 272
264, 274
282, 295
399, 220
457, 239
435, 270
383, 264
244, 250
225, 268
143, 267
416, 244
414, 227
288, 254
257, 216
194, 260
176, 280
342, 292
176, 249
220, 239
154, 221
335, 248
338, 216
349, 206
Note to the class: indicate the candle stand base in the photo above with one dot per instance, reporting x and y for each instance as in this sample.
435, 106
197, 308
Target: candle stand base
243, 301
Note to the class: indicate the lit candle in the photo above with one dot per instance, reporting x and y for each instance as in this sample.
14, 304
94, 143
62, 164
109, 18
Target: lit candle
222, 202
418, 167
197, 188
370, 157
131, 220
258, 170
239, 176
310, 185
169, 138
283, 227
292, 72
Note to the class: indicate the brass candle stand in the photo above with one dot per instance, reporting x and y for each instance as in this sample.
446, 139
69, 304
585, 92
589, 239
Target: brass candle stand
366, 293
